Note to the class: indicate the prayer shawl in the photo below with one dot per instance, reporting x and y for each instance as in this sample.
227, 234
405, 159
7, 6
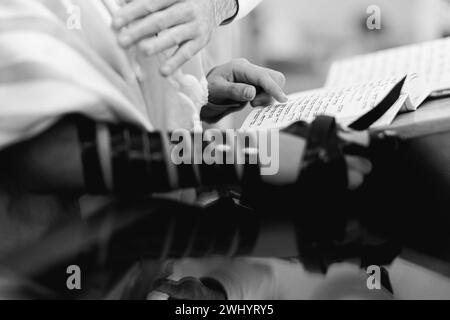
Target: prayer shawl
49, 68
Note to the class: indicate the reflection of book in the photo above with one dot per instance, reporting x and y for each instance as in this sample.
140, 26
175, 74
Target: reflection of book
358, 85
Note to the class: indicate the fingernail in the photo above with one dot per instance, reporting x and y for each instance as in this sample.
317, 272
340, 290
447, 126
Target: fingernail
249, 93
257, 103
284, 98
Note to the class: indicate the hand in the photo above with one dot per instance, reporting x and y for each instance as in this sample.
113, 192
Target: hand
189, 289
233, 85
165, 24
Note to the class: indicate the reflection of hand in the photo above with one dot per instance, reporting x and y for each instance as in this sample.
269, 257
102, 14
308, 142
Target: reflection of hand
239, 82
165, 24
190, 289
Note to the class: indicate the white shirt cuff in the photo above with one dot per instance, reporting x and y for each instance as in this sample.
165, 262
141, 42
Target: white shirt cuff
246, 6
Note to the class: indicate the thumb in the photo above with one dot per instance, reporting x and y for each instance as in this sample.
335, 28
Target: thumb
239, 92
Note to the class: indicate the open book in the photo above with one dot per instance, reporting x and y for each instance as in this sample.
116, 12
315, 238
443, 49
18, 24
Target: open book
368, 90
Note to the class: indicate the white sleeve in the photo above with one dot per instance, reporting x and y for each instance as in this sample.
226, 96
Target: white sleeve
246, 6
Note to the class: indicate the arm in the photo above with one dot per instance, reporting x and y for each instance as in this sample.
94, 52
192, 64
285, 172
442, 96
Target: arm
54, 160
49, 162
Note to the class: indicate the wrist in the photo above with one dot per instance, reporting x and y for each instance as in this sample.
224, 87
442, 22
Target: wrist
225, 11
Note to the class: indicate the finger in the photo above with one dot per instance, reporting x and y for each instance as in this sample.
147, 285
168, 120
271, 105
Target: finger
222, 90
181, 56
269, 86
138, 9
277, 76
172, 38
262, 100
239, 92
152, 25
251, 74
359, 164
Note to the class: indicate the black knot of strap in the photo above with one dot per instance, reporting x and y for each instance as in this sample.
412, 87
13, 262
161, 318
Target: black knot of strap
324, 163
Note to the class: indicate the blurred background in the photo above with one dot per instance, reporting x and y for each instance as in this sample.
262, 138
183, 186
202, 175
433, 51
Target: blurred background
301, 38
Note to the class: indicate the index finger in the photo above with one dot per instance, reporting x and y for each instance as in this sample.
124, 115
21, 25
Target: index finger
277, 76
260, 77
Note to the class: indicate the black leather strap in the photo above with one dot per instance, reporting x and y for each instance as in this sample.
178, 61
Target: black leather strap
218, 173
157, 165
322, 182
186, 173
92, 171
119, 154
324, 163
138, 161
138, 181
364, 122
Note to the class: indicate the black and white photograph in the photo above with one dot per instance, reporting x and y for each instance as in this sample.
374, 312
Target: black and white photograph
213, 158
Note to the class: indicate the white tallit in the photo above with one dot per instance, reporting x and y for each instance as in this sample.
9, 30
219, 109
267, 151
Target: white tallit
48, 70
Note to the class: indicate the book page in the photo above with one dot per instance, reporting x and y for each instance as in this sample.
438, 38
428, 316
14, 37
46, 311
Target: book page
391, 114
430, 60
416, 90
345, 103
